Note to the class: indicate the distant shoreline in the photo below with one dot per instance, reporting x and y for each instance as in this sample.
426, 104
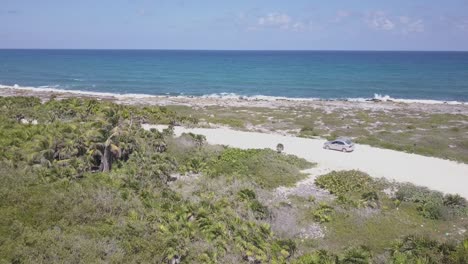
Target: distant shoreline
41, 91
242, 50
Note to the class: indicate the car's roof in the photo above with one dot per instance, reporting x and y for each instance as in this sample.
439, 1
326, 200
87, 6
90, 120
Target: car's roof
343, 139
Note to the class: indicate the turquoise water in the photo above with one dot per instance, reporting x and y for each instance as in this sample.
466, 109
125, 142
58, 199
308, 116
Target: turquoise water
296, 74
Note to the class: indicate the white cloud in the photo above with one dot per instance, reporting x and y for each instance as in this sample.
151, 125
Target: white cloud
379, 21
409, 25
299, 26
275, 20
402, 24
281, 21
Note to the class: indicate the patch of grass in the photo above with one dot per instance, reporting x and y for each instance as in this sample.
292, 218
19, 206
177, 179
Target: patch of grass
231, 122
378, 231
420, 249
308, 131
260, 211
351, 187
266, 167
323, 213
433, 204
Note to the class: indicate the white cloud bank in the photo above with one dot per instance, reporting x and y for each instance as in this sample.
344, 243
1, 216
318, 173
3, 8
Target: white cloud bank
281, 21
275, 20
380, 21
376, 20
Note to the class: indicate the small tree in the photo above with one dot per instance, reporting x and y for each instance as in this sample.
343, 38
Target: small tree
279, 148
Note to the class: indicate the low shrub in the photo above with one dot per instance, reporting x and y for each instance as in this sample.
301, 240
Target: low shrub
323, 213
307, 131
370, 199
454, 200
349, 256
259, 210
416, 249
356, 255
432, 204
317, 257
266, 167
351, 187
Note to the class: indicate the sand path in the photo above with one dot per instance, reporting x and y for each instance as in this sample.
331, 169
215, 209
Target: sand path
437, 174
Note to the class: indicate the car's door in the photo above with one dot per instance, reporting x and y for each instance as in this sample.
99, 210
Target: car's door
339, 145
334, 145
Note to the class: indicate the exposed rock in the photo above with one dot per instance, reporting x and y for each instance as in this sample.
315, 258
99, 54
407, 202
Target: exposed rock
312, 231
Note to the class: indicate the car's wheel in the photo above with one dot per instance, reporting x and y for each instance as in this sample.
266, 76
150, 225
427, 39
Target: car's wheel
344, 149
326, 147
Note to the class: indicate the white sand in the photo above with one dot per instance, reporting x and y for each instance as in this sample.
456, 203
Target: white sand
437, 174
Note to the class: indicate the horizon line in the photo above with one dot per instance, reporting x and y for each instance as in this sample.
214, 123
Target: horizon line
292, 50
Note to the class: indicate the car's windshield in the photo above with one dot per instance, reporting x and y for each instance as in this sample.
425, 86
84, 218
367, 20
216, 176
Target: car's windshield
348, 142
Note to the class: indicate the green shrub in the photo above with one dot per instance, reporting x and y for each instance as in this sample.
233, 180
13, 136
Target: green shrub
323, 213
370, 199
307, 131
318, 257
416, 249
454, 200
247, 194
431, 210
351, 187
432, 204
356, 255
266, 167
260, 211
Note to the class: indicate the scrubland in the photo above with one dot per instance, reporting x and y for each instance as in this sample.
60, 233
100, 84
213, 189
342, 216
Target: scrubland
82, 182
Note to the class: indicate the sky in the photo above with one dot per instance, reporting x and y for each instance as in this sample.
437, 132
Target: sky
238, 25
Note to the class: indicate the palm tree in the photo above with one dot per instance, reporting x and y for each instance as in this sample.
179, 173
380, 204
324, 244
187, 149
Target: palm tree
111, 151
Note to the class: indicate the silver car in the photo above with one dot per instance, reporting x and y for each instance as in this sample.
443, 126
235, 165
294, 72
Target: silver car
340, 144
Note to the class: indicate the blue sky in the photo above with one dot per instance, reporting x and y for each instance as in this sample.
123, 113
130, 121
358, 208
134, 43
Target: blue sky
240, 24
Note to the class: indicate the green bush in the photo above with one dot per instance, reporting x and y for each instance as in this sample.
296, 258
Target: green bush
266, 167
307, 131
318, 257
356, 255
260, 211
351, 187
416, 249
432, 204
323, 213
454, 200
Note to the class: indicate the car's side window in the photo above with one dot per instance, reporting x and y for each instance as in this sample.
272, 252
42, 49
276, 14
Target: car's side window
340, 143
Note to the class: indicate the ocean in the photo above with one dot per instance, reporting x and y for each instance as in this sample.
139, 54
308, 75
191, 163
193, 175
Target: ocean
437, 76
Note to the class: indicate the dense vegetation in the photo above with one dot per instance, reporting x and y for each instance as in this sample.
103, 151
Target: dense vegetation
393, 208
82, 182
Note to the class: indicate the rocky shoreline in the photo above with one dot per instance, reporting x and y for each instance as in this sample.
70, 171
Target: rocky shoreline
196, 101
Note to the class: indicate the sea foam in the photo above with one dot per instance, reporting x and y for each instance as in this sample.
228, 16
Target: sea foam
227, 96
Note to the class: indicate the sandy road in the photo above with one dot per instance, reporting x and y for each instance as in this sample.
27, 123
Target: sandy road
437, 174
